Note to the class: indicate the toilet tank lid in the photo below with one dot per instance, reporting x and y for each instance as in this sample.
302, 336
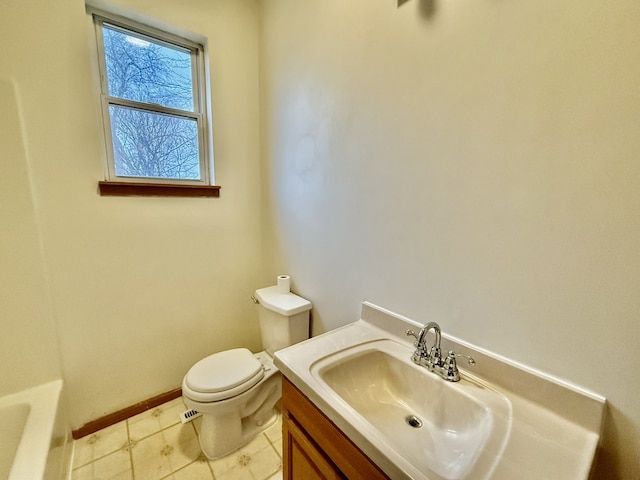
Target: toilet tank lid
287, 304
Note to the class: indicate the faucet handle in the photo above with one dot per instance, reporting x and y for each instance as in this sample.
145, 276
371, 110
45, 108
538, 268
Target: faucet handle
410, 333
455, 355
420, 356
450, 367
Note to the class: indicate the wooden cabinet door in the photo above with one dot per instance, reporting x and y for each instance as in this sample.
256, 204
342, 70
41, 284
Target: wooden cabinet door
314, 448
302, 458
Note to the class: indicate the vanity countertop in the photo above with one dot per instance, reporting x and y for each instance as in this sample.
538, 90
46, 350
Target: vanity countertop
554, 426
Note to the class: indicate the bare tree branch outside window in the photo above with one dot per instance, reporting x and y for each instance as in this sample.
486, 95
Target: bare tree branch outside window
149, 143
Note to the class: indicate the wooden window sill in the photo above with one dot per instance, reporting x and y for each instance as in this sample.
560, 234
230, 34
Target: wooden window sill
124, 189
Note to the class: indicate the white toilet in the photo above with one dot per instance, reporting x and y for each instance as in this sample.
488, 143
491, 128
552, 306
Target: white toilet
238, 392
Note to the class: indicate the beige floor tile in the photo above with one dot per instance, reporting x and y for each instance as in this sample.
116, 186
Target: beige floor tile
198, 470
274, 432
255, 461
236, 474
165, 452
156, 419
163, 448
278, 447
99, 444
115, 466
264, 463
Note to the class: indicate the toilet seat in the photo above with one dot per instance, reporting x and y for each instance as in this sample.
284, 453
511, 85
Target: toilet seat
222, 375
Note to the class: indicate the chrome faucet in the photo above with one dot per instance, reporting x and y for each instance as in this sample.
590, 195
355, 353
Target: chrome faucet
427, 357
431, 358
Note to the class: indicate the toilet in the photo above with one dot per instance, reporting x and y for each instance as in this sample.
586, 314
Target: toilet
238, 392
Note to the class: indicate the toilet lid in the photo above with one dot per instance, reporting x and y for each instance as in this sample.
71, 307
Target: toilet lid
225, 371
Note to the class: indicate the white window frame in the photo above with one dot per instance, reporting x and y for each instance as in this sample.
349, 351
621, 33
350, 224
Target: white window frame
200, 100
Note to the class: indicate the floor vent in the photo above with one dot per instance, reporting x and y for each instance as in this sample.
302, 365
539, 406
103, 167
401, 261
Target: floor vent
189, 415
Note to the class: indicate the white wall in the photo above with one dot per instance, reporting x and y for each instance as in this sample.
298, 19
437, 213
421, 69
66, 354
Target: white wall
141, 287
473, 163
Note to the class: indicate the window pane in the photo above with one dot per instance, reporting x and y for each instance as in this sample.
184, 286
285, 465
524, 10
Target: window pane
142, 69
149, 144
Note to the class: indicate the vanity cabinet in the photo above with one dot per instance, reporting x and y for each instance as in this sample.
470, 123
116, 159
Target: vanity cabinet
314, 448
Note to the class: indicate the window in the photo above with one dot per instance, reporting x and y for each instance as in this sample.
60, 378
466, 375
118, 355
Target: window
153, 92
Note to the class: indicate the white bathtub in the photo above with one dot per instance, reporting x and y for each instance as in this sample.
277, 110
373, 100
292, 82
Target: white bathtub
34, 434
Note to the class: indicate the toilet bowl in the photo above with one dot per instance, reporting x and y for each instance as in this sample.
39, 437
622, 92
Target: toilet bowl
233, 416
238, 392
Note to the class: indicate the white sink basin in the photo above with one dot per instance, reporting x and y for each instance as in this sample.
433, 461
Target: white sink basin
501, 421
437, 426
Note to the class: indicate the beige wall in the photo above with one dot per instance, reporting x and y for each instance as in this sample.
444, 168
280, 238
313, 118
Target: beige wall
141, 287
28, 345
472, 163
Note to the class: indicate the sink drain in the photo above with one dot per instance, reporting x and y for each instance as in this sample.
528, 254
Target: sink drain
413, 421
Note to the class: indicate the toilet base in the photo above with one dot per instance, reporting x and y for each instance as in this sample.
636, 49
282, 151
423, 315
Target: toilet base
218, 442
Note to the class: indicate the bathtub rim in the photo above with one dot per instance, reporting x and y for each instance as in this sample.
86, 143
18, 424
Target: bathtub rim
38, 431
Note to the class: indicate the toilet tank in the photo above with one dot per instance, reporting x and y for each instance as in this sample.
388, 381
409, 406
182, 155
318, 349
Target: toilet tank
284, 318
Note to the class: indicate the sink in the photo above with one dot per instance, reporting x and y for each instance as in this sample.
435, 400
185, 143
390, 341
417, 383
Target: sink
437, 426
501, 421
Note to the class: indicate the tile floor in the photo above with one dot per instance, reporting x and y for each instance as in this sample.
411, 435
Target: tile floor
155, 445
